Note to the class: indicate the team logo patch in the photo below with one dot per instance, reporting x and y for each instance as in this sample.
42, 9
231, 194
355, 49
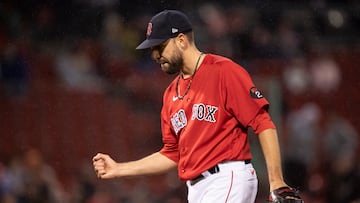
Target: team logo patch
255, 93
149, 29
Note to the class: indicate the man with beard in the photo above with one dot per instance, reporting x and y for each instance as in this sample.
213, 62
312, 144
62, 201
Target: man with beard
207, 110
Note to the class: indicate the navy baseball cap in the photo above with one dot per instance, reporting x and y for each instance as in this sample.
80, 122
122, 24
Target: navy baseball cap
163, 26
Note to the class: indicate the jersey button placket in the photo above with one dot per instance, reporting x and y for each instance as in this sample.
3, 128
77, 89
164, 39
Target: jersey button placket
183, 152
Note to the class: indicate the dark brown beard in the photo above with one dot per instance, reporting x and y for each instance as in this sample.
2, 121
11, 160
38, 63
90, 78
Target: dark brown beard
175, 64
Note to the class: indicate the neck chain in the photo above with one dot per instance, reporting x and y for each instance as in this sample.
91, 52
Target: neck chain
189, 84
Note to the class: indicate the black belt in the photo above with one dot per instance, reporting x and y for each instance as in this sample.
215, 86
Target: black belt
212, 170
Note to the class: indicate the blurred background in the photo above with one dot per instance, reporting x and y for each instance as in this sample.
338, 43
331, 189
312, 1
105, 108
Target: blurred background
72, 84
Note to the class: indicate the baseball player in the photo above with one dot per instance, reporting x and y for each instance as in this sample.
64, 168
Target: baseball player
207, 110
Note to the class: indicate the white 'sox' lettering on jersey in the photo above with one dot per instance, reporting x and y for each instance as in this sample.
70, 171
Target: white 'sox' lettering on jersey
179, 120
204, 112
200, 112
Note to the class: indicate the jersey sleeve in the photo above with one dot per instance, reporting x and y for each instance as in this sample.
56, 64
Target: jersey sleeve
241, 98
261, 122
170, 142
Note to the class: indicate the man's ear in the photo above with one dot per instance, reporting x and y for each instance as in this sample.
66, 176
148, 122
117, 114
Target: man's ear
182, 41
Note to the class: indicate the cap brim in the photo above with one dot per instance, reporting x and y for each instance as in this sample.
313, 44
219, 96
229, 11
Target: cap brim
150, 43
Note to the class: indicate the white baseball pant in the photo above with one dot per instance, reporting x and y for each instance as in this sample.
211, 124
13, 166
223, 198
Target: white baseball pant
236, 182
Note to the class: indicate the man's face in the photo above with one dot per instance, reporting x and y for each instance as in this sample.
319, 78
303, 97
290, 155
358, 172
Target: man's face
168, 56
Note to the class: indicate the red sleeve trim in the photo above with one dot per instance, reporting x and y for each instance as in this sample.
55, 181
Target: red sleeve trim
171, 152
261, 122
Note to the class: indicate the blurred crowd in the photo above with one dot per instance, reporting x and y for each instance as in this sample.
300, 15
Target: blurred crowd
88, 47
28, 178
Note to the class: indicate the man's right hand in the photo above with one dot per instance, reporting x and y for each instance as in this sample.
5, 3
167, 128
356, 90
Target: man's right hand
104, 166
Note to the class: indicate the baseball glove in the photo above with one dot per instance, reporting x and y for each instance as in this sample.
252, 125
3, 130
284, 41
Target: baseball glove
285, 195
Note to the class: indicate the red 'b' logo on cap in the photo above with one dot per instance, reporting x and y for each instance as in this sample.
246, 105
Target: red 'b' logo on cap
149, 28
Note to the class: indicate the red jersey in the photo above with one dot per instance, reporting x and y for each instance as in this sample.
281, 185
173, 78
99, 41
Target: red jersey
209, 125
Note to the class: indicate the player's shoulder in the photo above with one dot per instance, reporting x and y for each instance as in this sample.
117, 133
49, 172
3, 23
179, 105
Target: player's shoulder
217, 59
222, 63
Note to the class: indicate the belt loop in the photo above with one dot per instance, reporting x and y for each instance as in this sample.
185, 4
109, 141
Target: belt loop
206, 174
217, 169
210, 171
